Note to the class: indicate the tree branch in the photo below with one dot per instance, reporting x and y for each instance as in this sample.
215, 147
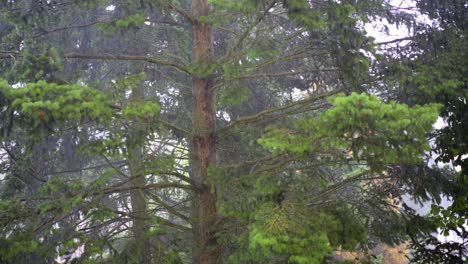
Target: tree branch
177, 175
184, 13
110, 190
394, 41
45, 32
169, 208
100, 166
172, 126
295, 56
178, 66
335, 187
255, 117
244, 35
253, 162
161, 220
271, 75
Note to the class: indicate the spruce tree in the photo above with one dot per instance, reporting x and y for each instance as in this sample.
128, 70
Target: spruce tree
207, 131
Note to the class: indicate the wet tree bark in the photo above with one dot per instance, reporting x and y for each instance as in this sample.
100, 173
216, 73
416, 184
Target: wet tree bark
206, 248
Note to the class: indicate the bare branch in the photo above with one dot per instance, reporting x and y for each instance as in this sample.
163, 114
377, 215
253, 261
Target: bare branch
45, 31
169, 208
172, 126
161, 220
147, 186
100, 166
178, 66
394, 41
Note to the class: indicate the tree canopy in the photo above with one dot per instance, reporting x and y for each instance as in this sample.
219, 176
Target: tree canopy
216, 131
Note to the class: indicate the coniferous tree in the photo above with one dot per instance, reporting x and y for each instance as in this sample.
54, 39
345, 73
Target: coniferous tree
215, 131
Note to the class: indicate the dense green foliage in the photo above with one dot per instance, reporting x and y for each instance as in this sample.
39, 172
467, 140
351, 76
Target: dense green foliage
370, 130
432, 68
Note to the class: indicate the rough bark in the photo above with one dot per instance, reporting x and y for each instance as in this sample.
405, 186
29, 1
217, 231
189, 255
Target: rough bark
206, 248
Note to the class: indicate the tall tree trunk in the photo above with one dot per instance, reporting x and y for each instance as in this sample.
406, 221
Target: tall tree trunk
141, 247
206, 248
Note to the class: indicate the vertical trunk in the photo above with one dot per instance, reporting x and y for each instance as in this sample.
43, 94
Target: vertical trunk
140, 247
135, 143
206, 248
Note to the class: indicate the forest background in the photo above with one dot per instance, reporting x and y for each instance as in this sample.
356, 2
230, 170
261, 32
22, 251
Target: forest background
216, 131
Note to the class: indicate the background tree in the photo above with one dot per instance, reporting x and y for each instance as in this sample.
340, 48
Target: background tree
431, 67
